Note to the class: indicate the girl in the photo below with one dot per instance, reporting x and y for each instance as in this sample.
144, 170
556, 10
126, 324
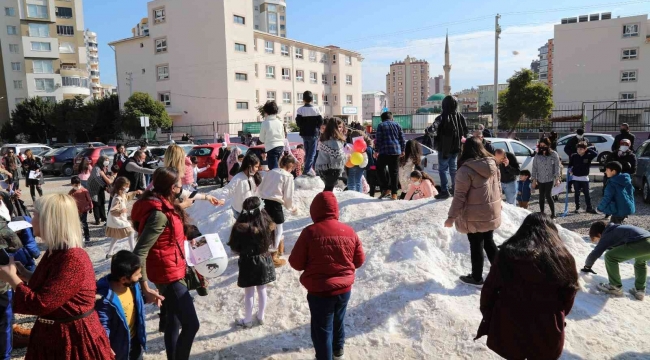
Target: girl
277, 189
421, 186
118, 225
84, 172
244, 184
412, 158
331, 154
32, 163
299, 154
251, 237
272, 134
355, 173
546, 174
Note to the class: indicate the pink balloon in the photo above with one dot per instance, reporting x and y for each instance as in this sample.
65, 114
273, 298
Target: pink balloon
360, 146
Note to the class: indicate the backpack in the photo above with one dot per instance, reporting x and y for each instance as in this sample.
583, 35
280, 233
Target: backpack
222, 168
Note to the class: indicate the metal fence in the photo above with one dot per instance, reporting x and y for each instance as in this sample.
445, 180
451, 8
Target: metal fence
609, 116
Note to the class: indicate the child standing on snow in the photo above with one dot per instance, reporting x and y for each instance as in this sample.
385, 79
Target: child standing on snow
524, 189
196, 171
618, 200
355, 173
412, 158
244, 184
421, 186
251, 237
118, 225
331, 153
579, 164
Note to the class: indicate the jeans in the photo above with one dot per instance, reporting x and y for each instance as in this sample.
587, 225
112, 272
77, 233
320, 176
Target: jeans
99, 207
510, 190
447, 165
273, 157
83, 217
354, 179
310, 143
388, 181
328, 323
181, 315
478, 242
584, 187
6, 318
147, 179
640, 252
135, 353
545, 194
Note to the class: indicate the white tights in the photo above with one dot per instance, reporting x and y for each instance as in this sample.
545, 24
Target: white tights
131, 239
249, 295
279, 230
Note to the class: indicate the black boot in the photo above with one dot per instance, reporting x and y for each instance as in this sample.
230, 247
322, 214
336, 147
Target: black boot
591, 210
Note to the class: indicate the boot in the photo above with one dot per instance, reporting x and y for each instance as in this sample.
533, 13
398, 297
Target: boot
394, 196
281, 247
20, 336
277, 262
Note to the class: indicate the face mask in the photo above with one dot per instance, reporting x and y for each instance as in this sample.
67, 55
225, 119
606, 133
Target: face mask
543, 151
106, 163
417, 183
75, 187
624, 148
125, 190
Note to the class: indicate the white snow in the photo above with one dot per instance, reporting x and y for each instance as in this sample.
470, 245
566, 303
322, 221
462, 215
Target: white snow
406, 302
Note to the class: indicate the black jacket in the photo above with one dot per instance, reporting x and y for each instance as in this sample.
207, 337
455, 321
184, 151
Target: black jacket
487, 133
628, 160
449, 129
488, 146
511, 172
617, 140
136, 179
255, 265
580, 165
571, 146
309, 120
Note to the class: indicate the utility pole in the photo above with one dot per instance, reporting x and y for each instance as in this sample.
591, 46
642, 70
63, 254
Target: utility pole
129, 81
497, 33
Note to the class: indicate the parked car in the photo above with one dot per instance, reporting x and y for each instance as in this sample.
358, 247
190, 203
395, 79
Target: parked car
19, 149
93, 154
207, 157
641, 179
603, 143
61, 161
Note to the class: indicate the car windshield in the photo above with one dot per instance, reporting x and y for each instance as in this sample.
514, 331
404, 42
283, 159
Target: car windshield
201, 151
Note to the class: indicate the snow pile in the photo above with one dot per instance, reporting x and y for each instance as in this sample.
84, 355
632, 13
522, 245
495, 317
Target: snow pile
407, 302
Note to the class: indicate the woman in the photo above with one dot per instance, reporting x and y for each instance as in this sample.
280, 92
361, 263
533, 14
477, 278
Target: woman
476, 207
97, 183
546, 174
160, 247
12, 165
232, 160
61, 292
529, 292
32, 163
272, 134
175, 157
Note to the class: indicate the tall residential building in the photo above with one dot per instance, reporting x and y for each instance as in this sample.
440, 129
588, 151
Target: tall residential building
373, 103
93, 63
603, 59
270, 16
436, 85
407, 85
43, 52
546, 63
223, 77
107, 90
468, 100
486, 93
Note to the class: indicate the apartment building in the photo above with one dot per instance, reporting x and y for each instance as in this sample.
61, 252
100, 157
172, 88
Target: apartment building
486, 93
436, 85
373, 103
270, 16
93, 64
468, 100
222, 74
107, 90
407, 85
43, 52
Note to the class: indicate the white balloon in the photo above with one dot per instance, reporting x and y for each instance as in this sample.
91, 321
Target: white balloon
365, 161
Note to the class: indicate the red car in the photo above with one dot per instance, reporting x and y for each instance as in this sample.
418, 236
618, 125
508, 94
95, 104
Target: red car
207, 157
93, 154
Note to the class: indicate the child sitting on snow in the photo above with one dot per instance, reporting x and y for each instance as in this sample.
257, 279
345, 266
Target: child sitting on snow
331, 153
407, 165
421, 186
244, 184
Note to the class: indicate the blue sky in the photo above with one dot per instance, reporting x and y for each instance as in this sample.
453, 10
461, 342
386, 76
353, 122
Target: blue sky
384, 31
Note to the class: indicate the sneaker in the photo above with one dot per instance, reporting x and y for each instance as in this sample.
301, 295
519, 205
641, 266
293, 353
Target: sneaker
577, 209
592, 211
386, 196
339, 354
442, 196
311, 173
469, 280
610, 289
243, 324
638, 294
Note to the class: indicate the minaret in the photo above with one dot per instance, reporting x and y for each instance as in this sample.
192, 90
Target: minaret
447, 68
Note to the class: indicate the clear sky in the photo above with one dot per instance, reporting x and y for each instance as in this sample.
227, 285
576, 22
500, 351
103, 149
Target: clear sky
384, 31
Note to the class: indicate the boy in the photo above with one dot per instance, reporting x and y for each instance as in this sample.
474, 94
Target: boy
579, 165
618, 200
121, 306
624, 242
310, 122
84, 203
524, 189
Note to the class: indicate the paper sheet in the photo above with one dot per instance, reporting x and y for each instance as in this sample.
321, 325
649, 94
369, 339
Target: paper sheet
19, 225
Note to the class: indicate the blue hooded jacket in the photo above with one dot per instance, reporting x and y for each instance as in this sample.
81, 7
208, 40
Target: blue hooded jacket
619, 196
111, 315
30, 250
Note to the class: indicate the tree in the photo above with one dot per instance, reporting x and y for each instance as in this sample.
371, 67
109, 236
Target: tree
487, 108
33, 119
74, 119
524, 98
141, 104
109, 120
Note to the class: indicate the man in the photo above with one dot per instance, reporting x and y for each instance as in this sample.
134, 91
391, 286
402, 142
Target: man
309, 121
133, 170
121, 306
571, 146
624, 135
149, 162
622, 243
509, 169
486, 144
389, 147
485, 131
449, 129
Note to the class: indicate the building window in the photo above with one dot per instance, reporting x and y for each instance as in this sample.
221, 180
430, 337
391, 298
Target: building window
257, 96
163, 72
284, 50
286, 74
631, 30
628, 76
63, 12
270, 96
257, 27
166, 98
241, 77
18, 84
299, 53
348, 99
161, 45
159, 16
313, 77
299, 97
14, 49
324, 78
66, 48
12, 30
44, 85
270, 72
333, 59
630, 54
326, 100
300, 75
39, 30
348, 79
315, 99
9, 11
268, 47
628, 96
324, 58
240, 20
16, 66
70, 81
37, 11
348, 60
64, 30
286, 97
242, 105
313, 56
336, 99
256, 74
51, 99
41, 46
334, 79
240, 47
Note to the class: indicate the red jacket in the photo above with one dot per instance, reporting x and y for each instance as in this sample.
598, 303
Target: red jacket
328, 251
166, 259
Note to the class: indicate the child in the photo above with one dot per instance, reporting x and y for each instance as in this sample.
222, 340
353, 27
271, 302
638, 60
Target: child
251, 237
421, 186
618, 200
355, 173
84, 204
524, 189
579, 166
299, 154
331, 153
407, 163
310, 123
84, 171
121, 306
196, 172
276, 190
236, 166
244, 184
118, 225
371, 170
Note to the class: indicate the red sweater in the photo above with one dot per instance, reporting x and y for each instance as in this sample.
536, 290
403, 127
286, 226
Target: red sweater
82, 197
328, 251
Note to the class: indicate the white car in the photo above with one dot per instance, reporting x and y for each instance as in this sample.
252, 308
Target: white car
19, 149
603, 143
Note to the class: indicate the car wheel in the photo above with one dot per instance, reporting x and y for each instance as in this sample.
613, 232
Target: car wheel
646, 191
67, 170
602, 158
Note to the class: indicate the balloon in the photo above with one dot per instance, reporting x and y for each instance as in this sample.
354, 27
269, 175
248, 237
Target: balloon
364, 164
356, 158
347, 149
349, 164
360, 146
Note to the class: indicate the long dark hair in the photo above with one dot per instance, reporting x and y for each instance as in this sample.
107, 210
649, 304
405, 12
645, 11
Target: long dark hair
537, 241
255, 225
332, 130
449, 106
473, 149
163, 180
85, 165
413, 151
247, 165
423, 176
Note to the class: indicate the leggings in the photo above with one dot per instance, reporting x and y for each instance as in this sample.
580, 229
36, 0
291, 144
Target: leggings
131, 239
545, 190
249, 299
181, 316
279, 230
32, 190
477, 243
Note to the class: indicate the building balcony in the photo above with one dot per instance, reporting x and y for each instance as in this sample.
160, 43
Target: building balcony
75, 90
93, 62
96, 90
73, 72
91, 34
96, 85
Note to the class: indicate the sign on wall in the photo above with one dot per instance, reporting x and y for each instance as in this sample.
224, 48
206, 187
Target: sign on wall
350, 110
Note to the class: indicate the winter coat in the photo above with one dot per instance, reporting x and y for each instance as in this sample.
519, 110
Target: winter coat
617, 140
331, 155
613, 236
299, 155
240, 188
488, 146
524, 190
309, 120
581, 165
328, 251
30, 251
222, 168
116, 218
627, 160
523, 318
571, 146
112, 317
404, 173
449, 129
255, 265
389, 138
272, 133
134, 172
546, 168
476, 206
509, 173
423, 191
232, 160
277, 186
619, 196
32, 165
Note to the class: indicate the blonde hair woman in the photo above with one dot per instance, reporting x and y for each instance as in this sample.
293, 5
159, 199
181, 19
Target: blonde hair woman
61, 291
175, 158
